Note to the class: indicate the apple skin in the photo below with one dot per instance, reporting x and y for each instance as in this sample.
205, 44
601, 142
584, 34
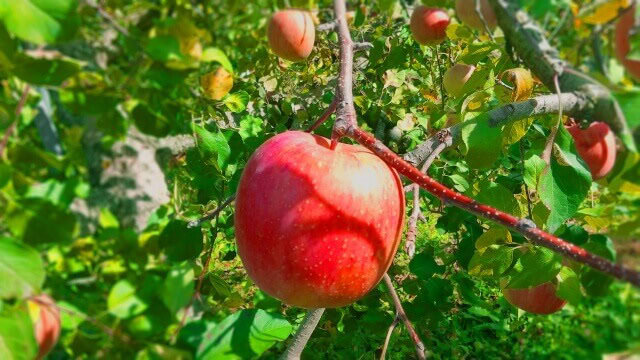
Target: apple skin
291, 34
541, 299
597, 147
45, 316
455, 78
315, 227
466, 11
429, 25
622, 45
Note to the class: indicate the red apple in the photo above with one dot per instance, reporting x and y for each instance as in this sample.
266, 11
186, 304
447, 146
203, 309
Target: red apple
466, 11
45, 316
539, 299
291, 34
597, 147
622, 45
455, 78
429, 25
315, 227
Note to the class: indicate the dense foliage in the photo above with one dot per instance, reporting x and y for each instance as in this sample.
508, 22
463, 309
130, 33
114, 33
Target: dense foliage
136, 117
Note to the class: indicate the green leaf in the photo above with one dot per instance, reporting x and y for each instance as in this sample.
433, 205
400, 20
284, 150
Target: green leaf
483, 143
491, 261
212, 54
181, 242
107, 220
496, 235
424, 266
17, 339
124, 301
568, 287
250, 126
52, 72
237, 101
595, 282
164, 48
214, 145
21, 270
498, 196
533, 168
565, 183
178, 287
162, 352
38, 21
149, 122
256, 329
41, 222
537, 266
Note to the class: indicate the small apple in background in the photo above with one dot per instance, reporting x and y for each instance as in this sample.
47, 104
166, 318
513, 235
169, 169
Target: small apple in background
597, 147
315, 227
466, 11
539, 299
291, 34
429, 25
45, 316
455, 78
622, 45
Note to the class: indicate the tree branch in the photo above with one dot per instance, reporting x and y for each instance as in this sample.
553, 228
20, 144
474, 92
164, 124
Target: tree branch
392, 327
300, 339
573, 104
325, 115
420, 349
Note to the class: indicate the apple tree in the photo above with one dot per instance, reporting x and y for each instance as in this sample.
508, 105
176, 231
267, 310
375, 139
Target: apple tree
320, 179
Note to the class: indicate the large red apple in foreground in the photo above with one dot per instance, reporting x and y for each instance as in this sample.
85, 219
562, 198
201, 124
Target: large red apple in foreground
597, 147
622, 46
317, 227
466, 11
291, 34
429, 25
539, 299
45, 316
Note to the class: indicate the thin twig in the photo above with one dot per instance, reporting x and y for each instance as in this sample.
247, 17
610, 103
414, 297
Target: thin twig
548, 148
526, 187
303, 334
392, 327
212, 214
325, 115
420, 349
478, 9
560, 24
14, 124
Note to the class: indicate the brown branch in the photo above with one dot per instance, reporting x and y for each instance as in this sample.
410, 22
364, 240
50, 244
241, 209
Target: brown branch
420, 349
478, 9
325, 115
14, 124
212, 214
392, 327
548, 147
303, 334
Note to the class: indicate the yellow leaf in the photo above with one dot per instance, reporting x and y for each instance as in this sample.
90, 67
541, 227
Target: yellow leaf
603, 12
495, 235
514, 85
216, 84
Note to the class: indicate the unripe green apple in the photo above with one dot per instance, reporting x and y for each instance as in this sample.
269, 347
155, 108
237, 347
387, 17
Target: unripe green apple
45, 316
466, 11
291, 34
622, 46
316, 227
539, 299
429, 25
455, 78
597, 147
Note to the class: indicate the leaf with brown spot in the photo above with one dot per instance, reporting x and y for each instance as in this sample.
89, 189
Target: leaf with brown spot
514, 85
216, 84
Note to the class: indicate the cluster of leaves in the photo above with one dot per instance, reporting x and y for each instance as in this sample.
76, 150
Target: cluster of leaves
99, 73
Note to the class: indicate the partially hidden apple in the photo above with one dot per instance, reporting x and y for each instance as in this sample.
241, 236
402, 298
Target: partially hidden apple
541, 299
455, 78
45, 316
597, 147
291, 34
622, 45
429, 25
466, 11
316, 227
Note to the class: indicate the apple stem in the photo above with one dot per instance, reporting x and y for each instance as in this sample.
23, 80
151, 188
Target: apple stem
303, 334
525, 227
420, 348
